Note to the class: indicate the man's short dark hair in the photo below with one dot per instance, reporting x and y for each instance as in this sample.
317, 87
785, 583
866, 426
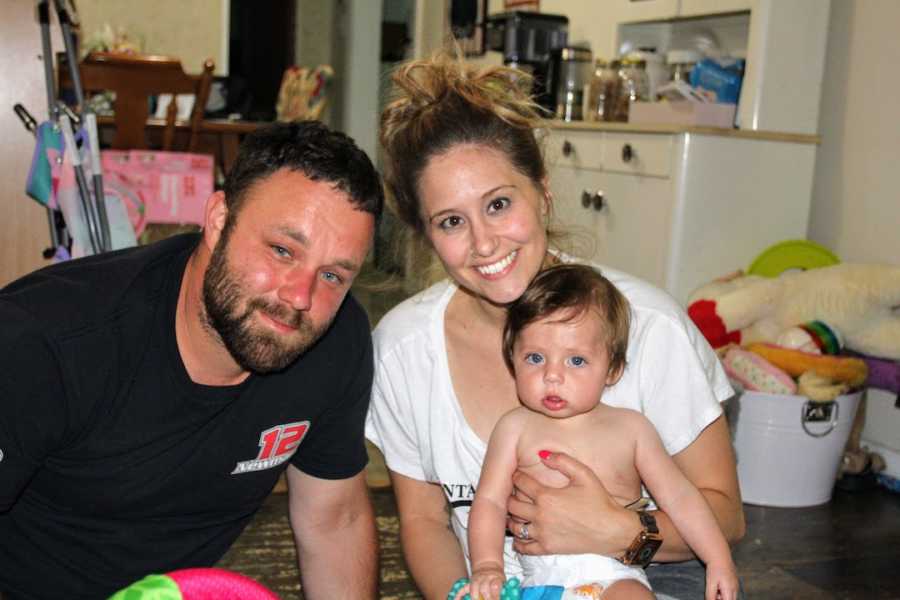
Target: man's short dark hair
312, 149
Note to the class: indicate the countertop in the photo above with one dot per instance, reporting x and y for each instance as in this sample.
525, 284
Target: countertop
778, 136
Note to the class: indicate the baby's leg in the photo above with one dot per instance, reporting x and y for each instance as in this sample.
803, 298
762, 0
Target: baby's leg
627, 589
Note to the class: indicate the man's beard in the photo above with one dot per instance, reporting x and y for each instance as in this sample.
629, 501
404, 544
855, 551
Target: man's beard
252, 347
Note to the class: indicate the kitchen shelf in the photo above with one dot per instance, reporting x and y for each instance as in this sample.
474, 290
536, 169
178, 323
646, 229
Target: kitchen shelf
776, 136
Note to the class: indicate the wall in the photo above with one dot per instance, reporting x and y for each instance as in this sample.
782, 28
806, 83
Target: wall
316, 44
855, 199
193, 31
23, 226
361, 32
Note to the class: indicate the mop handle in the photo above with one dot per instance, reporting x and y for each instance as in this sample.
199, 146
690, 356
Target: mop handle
43, 10
83, 194
90, 120
65, 23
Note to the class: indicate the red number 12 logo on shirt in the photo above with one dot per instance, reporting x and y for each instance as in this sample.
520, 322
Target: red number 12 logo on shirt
281, 440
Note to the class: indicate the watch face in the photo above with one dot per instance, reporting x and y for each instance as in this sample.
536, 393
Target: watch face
646, 551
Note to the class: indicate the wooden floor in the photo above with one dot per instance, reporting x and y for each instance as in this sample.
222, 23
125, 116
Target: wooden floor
847, 548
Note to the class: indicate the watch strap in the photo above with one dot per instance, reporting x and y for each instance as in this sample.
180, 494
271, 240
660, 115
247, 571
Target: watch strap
645, 543
648, 521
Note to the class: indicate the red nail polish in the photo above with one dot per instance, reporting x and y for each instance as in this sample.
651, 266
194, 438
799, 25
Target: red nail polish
544, 454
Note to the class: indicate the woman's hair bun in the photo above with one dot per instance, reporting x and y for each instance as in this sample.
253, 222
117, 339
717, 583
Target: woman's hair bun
422, 85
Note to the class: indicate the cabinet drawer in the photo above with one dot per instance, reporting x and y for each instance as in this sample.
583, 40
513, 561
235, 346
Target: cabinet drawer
634, 154
642, 154
575, 149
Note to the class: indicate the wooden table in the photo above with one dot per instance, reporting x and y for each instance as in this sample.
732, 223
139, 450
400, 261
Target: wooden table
219, 137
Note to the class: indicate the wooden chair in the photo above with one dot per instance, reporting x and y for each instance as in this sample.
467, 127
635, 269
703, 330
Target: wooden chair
134, 78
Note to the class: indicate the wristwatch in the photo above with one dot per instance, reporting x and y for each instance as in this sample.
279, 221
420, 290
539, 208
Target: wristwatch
645, 544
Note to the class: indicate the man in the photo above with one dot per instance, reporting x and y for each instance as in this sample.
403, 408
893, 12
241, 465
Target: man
151, 397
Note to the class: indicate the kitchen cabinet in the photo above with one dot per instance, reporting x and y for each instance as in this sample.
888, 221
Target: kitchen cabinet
646, 10
678, 207
697, 8
629, 11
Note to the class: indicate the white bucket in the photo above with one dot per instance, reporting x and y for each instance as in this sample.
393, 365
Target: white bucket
788, 448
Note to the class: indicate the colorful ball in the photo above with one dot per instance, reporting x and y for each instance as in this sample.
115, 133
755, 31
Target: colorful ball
814, 337
196, 584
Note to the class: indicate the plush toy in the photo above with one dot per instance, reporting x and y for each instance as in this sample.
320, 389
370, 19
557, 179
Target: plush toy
755, 373
857, 301
841, 369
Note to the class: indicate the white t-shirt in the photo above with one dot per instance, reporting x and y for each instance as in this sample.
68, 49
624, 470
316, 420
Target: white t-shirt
672, 376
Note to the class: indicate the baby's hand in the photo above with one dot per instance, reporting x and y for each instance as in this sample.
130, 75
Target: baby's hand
486, 583
721, 581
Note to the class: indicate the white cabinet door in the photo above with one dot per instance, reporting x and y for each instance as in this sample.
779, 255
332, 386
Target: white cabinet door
631, 229
634, 227
698, 8
629, 11
574, 214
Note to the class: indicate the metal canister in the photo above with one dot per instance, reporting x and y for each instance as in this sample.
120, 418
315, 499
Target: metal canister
573, 75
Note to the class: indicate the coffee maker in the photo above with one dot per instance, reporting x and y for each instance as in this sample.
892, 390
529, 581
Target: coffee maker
528, 41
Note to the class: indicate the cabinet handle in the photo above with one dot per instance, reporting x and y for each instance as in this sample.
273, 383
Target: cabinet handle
567, 148
627, 153
593, 200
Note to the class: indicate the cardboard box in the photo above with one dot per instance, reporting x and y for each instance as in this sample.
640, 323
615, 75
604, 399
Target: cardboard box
683, 113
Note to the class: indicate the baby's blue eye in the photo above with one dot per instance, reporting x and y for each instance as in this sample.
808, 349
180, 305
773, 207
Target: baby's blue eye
577, 361
533, 358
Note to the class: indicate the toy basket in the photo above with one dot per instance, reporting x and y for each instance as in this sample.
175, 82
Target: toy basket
789, 448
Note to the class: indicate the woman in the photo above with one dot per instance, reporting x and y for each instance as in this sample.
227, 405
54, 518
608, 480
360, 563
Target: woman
466, 173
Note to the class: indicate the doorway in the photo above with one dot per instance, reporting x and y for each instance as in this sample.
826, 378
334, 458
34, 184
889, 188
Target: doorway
261, 47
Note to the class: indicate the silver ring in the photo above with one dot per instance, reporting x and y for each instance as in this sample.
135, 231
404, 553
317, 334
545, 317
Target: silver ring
523, 535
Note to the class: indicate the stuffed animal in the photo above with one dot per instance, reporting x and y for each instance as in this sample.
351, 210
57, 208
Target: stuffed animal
844, 369
858, 301
753, 372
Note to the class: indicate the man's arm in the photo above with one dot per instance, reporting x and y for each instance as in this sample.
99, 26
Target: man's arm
334, 530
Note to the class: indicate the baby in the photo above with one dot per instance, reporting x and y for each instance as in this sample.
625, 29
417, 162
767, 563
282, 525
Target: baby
565, 342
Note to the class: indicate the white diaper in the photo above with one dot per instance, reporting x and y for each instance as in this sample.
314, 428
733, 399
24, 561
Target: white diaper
572, 570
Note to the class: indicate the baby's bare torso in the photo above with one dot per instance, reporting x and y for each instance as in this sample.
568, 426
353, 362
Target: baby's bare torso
601, 439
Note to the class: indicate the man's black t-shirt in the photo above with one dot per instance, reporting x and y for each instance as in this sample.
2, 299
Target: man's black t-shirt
113, 463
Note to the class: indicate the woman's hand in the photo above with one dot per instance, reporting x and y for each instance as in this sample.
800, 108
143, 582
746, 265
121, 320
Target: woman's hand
577, 519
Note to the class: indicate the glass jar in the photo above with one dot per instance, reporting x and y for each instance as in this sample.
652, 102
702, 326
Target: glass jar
602, 91
634, 86
574, 73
